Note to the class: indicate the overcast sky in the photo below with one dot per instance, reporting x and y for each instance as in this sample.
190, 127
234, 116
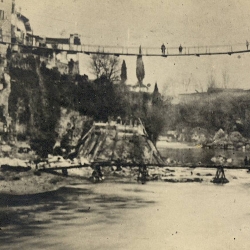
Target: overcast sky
150, 23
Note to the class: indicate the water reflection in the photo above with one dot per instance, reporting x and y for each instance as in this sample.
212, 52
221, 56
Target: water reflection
195, 155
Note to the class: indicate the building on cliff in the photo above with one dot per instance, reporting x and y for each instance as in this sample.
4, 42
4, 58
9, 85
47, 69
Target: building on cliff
54, 52
13, 26
6, 10
16, 29
20, 28
139, 87
66, 62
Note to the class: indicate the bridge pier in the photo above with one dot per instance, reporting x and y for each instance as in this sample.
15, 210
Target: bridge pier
220, 177
65, 172
142, 174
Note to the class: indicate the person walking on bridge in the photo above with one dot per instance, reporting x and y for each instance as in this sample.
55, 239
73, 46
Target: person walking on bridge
163, 49
247, 44
180, 49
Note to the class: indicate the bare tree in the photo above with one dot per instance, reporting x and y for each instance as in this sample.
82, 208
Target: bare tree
225, 77
105, 65
211, 81
186, 84
199, 87
165, 89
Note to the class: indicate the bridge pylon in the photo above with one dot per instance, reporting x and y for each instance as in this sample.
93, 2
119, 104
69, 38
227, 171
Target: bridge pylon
220, 177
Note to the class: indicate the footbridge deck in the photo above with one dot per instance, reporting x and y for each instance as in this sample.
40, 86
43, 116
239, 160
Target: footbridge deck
136, 51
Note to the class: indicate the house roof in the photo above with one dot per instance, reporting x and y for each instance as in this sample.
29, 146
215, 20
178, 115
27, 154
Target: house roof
57, 40
226, 90
138, 85
31, 35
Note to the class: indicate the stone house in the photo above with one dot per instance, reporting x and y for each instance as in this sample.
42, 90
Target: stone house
6, 9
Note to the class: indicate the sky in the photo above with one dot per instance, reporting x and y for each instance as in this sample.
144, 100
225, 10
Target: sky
150, 23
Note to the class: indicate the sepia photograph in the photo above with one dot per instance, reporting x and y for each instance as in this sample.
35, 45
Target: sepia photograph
124, 125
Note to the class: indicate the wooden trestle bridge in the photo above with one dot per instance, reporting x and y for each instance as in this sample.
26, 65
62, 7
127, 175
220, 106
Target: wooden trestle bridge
219, 176
124, 164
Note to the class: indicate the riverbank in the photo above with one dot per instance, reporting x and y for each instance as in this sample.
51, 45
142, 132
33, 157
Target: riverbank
31, 182
176, 145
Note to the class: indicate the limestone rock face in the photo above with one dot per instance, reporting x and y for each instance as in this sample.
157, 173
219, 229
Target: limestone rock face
69, 128
4, 97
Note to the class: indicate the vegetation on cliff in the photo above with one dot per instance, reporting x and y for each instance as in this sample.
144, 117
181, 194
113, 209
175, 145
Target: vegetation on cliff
38, 95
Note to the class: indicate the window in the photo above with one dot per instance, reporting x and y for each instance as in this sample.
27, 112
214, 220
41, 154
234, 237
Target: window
1, 15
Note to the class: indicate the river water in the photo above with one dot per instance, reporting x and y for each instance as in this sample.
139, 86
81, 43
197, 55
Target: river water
125, 215
129, 216
185, 154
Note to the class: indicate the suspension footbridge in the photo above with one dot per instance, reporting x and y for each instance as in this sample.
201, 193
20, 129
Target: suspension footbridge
135, 51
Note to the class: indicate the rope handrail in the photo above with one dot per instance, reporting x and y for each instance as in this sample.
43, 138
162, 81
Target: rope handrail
134, 51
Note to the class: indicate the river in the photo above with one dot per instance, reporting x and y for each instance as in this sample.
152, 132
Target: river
129, 216
183, 153
125, 215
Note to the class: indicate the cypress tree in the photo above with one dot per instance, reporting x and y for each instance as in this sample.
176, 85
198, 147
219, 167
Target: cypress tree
140, 72
123, 72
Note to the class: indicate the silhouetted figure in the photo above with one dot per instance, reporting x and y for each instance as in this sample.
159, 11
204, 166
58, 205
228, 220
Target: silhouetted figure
140, 50
163, 49
5, 132
180, 49
71, 66
247, 44
8, 53
246, 161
